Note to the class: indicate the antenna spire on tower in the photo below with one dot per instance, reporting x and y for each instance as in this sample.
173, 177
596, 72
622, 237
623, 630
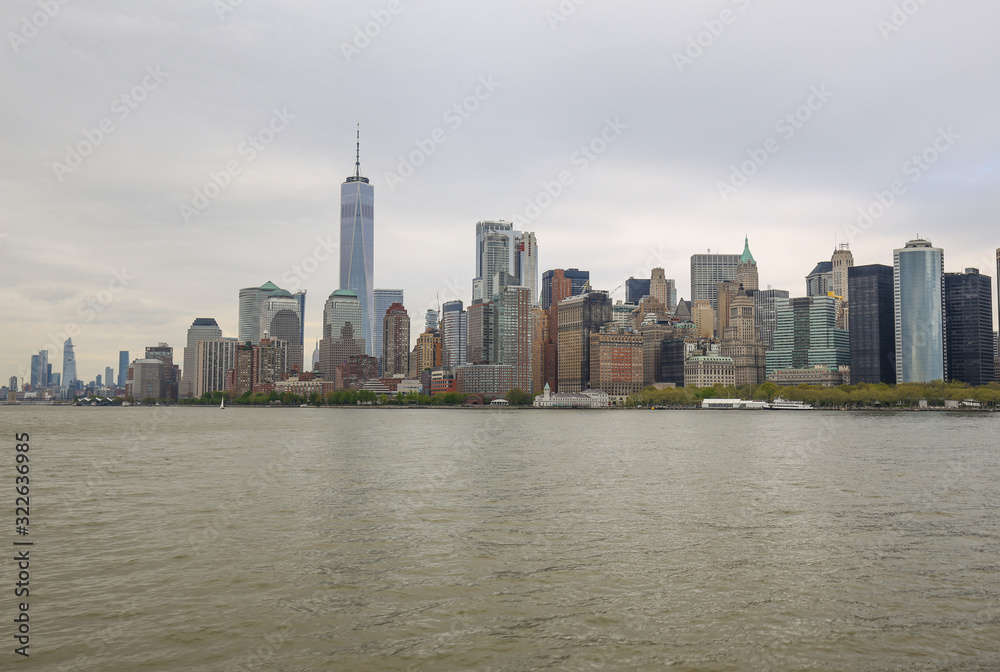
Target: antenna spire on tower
357, 159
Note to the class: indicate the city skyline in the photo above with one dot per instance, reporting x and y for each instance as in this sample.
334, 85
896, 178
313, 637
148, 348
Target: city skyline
113, 251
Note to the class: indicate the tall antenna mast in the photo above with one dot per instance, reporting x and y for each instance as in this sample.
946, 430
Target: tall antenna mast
357, 158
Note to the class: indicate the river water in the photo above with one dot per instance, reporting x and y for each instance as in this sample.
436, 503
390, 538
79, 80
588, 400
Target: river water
438, 539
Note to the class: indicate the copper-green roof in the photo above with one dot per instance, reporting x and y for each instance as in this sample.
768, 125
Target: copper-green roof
344, 293
270, 286
746, 257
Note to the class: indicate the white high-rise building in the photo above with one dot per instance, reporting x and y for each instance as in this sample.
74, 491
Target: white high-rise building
526, 251
454, 334
214, 358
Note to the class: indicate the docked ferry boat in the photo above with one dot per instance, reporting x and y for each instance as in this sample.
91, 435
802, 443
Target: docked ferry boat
780, 404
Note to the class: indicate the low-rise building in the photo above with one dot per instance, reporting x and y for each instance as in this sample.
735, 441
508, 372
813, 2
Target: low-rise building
824, 376
586, 399
709, 370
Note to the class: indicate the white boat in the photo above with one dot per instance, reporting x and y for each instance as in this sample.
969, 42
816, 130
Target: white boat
781, 404
743, 404
222, 406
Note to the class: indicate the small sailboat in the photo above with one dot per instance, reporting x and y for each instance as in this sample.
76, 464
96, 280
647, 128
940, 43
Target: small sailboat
222, 406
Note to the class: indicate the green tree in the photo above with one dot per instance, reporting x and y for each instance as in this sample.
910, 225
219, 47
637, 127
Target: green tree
518, 397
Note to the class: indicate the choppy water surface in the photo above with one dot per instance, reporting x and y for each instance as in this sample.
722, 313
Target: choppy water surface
380, 540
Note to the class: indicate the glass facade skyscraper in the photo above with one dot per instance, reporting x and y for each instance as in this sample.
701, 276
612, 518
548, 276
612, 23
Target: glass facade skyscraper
969, 327
251, 300
69, 366
807, 335
357, 248
635, 289
918, 284
122, 368
872, 324
454, 334
766, 312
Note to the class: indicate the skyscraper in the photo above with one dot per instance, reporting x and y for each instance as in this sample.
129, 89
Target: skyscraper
483, 336
918, 284
170, 372
514, 322
122, 367
396, 343
741, 341
766, 313
496, 264
431, 320
840, 263
577, 281
40, 368
746, 272
526, 258
109, 377
300, 297
69, 366
45, 368
726, 292
616, 361
214, 358
635, 289
820, 281
383, 299
357, 245
494, 243
579, 317
969, 327
280, 320
202, 329
872, 324
454, 334
662, 289
707, 271
251, 301
807, 335
342, 323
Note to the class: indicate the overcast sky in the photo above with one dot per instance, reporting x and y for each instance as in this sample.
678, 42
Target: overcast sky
115, 113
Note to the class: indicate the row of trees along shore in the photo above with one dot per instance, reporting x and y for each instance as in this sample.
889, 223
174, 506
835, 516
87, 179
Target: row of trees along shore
862, 395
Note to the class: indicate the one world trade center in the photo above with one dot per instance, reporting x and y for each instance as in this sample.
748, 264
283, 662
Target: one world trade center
357, 242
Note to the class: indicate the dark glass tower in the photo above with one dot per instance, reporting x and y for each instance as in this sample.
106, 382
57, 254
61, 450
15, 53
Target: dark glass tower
357, 243
636, 288
578, 281
969, 323
873, 324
